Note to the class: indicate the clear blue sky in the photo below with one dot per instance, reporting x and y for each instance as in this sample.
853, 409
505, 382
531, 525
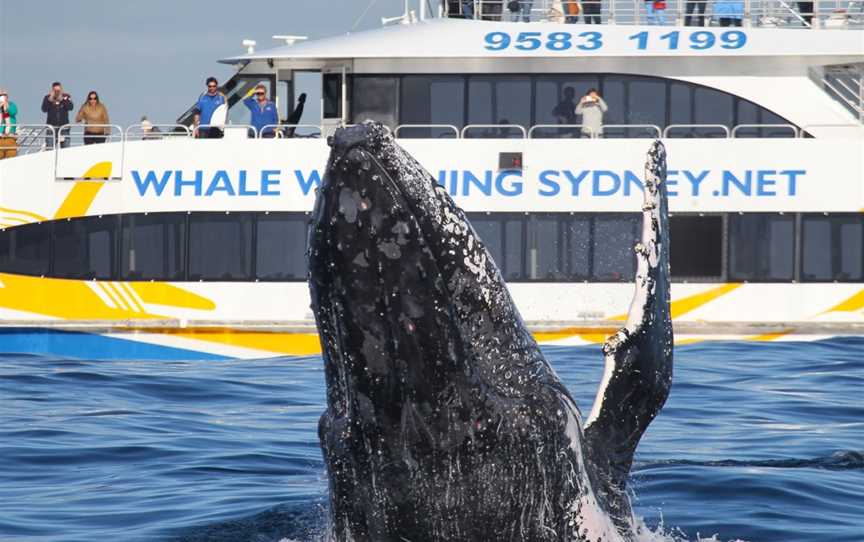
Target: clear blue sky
150, 57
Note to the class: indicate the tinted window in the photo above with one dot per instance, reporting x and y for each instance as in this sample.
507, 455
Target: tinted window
503, 235
833, 248
432, 100
374, 98
153, 246
490, 231
220, 246
761, 247
697, 246
505, 101
612, 247
545, 258
84, 248
332, 95
281, 247
24, 249
578, 247
514, 243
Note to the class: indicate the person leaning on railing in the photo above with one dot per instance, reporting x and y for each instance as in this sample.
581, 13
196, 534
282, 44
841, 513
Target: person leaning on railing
94, 115
8, 126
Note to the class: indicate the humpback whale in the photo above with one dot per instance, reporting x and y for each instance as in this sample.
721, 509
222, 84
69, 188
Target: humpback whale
444, 421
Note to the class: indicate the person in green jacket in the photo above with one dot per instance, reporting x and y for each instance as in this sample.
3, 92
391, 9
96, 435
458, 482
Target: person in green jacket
8, 113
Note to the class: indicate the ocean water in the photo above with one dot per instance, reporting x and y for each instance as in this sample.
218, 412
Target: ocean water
758, 442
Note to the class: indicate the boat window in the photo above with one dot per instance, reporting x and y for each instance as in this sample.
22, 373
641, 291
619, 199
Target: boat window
833, 248
220, 246
153, 246
493, 101
332, 95
84, 248
24, 249
514, 247
545, 248
431, 100
646, 104
612, 248
503, 235
697, 246
374, 98
761, 247
577, 231
280, 246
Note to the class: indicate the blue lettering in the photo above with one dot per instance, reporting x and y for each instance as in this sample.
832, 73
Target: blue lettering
575, 181
744, 186
670, 184
631, 178
547, 180
180, 182
696, 180
442, 178
764, 185
454, 183
513, 188
485, 185
243, 191
598, 176
305, 183
793, 174
151, 180
220, 182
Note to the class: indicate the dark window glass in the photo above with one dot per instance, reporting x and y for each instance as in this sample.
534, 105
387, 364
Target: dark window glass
153, 246
24, 249
713, 107
646, 104
680, 103
220, 246
761, 247
552, 107
578, 247
697, 246
432, 100
332, 94
614, 93
833, 248
514, 233
612, 248
505, 101
281, 246
544, 256
489, 229
84, 248
374, 98
503, 235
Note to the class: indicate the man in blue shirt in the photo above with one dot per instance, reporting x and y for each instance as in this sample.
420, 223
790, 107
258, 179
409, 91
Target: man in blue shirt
264, 113
206, 106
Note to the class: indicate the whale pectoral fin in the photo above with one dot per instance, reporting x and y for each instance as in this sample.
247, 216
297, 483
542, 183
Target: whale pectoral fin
638, 374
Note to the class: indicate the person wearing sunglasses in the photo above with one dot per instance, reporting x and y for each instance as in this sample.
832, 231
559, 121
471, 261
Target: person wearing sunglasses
207, 104
94, 115
264, 113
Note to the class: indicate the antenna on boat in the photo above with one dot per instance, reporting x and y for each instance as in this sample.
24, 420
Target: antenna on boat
250, 46
290, 40
408, 17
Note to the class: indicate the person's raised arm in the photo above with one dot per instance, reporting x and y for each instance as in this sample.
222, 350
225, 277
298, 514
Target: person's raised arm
80, 115
67, 102
602, 103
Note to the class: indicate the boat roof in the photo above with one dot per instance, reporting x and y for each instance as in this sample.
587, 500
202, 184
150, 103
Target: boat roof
457, 38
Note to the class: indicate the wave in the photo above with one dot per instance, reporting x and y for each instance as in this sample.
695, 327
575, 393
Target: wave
839, 461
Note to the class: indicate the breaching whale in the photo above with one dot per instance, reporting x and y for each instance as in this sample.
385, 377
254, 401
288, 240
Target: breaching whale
444, 422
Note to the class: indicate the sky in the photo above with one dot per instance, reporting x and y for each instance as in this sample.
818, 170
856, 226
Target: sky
151, 57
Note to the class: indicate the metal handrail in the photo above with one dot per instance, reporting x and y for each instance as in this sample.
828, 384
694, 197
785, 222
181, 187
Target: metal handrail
225, 127
496, 126
653, 127
69, 130
581, 127
135, 132
671, 127
739, 126
27, 134
279, 129
425, 126
804, 129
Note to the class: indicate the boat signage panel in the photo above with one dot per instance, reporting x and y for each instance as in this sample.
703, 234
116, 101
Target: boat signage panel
701, 40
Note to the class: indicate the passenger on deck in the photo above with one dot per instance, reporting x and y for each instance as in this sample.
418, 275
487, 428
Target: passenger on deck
207, 104
520, 9
656, 11
565, 112
591, 11
572, 9
729, 12
8, 122
592, 107
149, 132
264, 116
695, 6
57, 105
93, 114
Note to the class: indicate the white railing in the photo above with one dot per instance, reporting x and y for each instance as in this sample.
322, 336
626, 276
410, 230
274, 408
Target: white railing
281, 131
430, 128
763, 126
75, 135
667, 132
560, 130
495, 131
27, 139
150, 132
835, 14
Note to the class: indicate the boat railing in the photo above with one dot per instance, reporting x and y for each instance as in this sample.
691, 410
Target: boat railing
495, 131
76, 135
759, 129
834, 14
652, 130
707, 130
281, 131
150, 132
225, 131
556, 131
444, 131
836, 129
27, 139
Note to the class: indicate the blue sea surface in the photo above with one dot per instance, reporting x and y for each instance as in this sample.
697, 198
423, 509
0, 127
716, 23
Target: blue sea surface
758, 442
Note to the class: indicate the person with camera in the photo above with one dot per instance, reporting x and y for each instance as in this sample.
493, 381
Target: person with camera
57, 105
592, 107
8, 121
